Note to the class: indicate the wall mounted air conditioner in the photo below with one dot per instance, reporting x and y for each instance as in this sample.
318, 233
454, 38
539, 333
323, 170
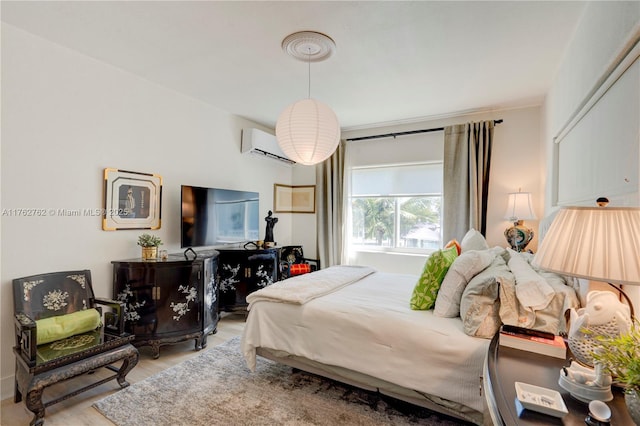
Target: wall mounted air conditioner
261, 143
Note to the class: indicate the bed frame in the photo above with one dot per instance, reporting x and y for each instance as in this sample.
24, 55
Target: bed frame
374, 384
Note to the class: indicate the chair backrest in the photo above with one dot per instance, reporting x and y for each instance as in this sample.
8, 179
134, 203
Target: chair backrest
53, 294
292, 254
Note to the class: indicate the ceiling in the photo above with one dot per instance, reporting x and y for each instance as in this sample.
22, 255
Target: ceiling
395, 61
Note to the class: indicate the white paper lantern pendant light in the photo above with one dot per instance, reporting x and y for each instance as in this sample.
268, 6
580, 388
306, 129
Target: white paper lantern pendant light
308, 130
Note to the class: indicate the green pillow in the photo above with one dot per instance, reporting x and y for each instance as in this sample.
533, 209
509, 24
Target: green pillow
436, 267
63, 326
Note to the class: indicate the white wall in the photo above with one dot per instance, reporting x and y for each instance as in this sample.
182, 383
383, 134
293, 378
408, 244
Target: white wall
304, 224
603, 34
516, 163
603, 31
66, 117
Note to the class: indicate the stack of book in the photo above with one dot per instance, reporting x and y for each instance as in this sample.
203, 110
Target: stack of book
533, 341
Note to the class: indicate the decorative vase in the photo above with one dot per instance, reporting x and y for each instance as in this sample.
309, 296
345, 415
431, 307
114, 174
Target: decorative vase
149, 253
632, 400
518, 236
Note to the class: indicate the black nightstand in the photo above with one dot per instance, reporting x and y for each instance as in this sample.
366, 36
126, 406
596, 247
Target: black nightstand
504, 366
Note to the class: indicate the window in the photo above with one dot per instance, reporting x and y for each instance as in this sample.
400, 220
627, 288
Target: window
396, 208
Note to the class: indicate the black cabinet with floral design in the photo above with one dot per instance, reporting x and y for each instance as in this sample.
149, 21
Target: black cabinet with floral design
168, 301
243, 271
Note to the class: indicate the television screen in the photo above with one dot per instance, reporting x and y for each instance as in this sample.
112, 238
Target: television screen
212, 216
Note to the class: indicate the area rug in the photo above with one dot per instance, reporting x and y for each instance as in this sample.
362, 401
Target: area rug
216, 388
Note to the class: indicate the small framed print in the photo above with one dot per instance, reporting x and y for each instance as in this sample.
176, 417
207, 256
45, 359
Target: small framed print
132, 200
294, 199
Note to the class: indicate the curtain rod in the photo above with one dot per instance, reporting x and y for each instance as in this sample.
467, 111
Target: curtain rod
410, 132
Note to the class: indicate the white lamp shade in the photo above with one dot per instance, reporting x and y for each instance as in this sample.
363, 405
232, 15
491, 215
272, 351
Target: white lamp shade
595, 243
519, 207
308, 131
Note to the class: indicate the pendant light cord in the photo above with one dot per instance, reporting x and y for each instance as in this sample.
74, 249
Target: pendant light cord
309, 71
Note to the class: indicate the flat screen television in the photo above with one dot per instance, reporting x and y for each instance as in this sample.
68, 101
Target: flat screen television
215, 216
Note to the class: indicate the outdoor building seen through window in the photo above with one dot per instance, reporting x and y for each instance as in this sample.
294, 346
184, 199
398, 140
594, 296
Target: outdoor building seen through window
396, 207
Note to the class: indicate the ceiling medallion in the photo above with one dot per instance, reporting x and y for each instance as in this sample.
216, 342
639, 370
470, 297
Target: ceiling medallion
309, 46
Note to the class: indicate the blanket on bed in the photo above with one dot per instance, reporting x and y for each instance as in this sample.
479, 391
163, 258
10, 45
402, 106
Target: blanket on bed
532, 290
303, 288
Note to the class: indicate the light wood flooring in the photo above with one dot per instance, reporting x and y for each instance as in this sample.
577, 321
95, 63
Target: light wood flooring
77, 411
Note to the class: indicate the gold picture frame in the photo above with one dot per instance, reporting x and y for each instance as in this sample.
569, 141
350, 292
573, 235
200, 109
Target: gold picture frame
132, 200
294, 199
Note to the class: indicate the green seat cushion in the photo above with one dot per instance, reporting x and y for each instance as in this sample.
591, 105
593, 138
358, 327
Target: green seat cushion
63, 326
68, 346
436, 267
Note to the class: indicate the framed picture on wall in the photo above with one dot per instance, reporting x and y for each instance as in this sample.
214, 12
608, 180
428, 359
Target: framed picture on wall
132, 200
294, 199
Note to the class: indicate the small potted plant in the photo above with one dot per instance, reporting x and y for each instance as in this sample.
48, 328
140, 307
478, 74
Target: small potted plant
149, 244
621, 357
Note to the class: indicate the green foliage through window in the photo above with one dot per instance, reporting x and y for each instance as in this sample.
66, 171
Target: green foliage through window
398, 222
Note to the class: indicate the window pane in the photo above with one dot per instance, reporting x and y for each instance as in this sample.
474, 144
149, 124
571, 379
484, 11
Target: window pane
373, 220
420, 222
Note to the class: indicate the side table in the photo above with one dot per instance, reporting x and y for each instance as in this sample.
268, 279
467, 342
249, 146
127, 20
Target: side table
504, 366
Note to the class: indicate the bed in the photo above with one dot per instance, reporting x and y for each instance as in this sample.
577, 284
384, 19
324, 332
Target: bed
355, 325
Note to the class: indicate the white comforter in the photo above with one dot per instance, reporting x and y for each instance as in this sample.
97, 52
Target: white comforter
368, 327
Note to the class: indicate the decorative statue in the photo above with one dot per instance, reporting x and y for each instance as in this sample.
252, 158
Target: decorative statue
604, 315
271, 221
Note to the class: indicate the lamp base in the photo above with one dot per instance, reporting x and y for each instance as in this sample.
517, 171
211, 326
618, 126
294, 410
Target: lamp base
585, 384
518, 236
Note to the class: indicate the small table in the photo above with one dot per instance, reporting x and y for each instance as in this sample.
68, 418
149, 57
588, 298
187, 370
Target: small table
504, 366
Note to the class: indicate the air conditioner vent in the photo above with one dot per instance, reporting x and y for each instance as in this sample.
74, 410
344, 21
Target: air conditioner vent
258, 142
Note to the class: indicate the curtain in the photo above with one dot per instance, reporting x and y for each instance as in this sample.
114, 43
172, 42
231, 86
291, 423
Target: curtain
331, 208
467, 162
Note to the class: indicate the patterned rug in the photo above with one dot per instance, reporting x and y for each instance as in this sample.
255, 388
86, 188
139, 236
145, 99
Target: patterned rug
216, 388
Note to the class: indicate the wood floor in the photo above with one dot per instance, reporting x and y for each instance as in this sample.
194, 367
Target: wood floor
77, 411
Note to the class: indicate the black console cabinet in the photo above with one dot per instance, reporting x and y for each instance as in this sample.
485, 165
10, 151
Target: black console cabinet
242, 272
168, 301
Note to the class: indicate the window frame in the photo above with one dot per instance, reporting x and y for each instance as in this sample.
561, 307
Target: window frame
353, 247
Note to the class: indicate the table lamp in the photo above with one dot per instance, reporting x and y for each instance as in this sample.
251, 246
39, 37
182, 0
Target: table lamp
519, 209
599, 244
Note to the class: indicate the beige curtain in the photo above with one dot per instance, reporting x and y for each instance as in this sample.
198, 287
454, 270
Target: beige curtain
467, 162
331, 209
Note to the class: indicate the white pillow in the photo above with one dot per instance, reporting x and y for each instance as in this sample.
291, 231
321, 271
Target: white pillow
465, 267
473, 240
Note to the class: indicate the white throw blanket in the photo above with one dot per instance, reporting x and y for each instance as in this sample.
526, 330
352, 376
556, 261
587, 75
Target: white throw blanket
303, 288
532, 290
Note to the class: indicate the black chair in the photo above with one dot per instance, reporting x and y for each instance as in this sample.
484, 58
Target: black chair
62, 333
293, 262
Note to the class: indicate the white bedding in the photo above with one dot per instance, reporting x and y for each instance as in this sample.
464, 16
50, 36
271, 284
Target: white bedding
368, 327
306, 287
